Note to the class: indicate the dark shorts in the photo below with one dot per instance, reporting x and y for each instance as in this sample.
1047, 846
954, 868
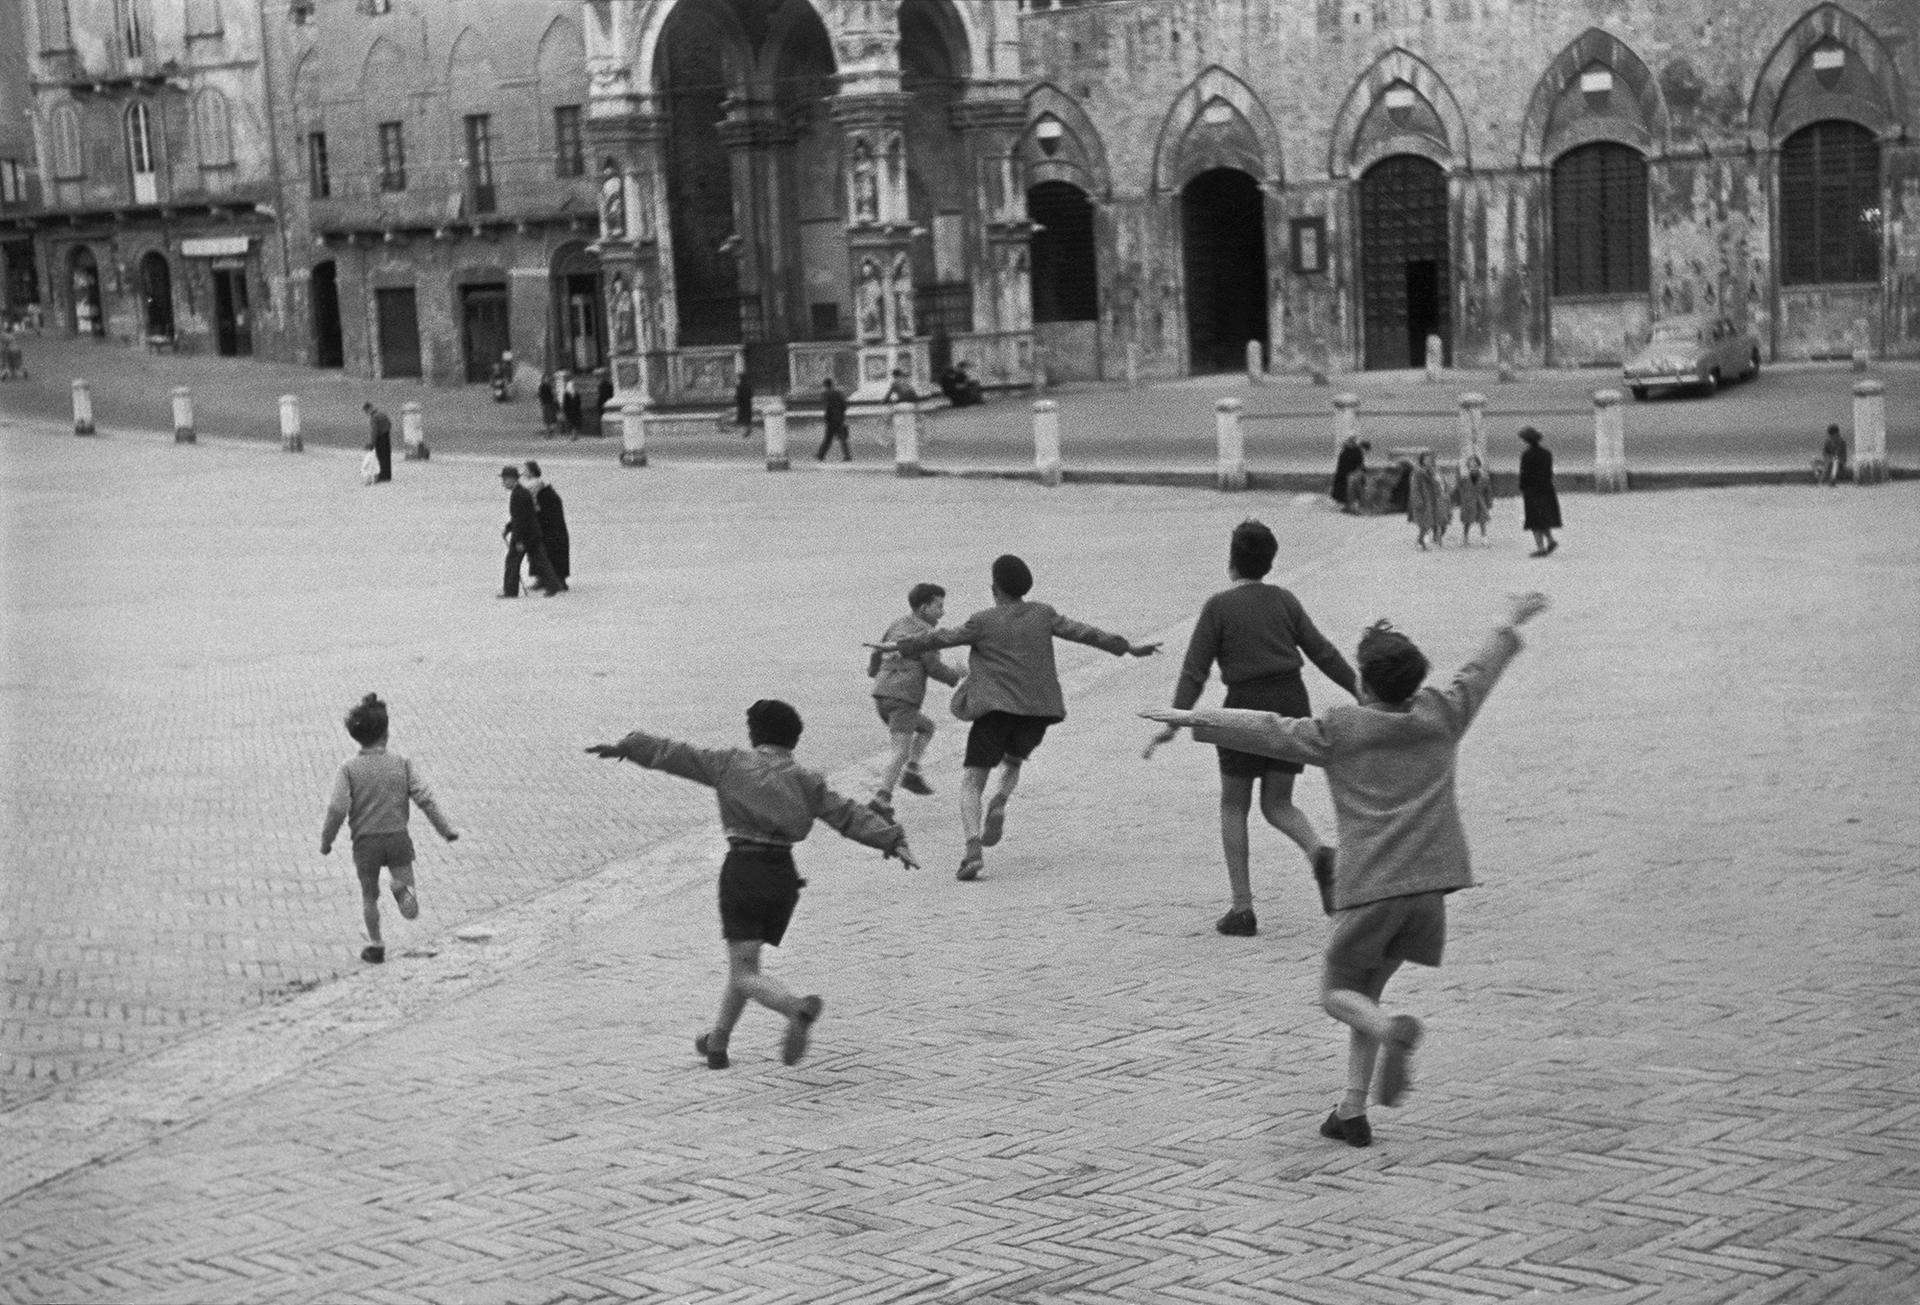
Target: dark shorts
758, 890
1285, 695
1002, 736
377, 850
903, 717
1366, 937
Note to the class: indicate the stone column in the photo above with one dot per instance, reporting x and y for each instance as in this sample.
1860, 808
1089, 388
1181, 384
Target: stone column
1473, 429
82, 407
1609, 442
413, 433
906, 440
290, 441
1869, 433
182, 415
633, 433
1256, 363
1046, 440
1232, 472
773, 420
879, 238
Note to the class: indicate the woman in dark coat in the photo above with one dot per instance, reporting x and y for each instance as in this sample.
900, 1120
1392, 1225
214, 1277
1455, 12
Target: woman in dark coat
552, 514
1353, 456
1542, 505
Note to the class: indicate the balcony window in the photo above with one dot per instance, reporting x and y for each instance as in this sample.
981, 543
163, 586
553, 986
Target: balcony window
569, 154
319, 175
393, 157
480, 161
140, 160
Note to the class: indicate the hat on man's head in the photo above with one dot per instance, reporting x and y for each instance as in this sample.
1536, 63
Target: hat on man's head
1012, 576
1529, 434
509, 472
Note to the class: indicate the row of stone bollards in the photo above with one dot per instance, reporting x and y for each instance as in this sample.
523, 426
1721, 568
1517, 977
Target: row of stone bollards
412, 423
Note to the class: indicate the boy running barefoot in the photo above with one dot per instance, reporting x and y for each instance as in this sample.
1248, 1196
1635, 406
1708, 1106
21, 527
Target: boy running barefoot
1390, 766
768, 802
900, 687
1012, 692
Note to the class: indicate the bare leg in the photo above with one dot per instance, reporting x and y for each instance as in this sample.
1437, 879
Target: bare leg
746, 983
902, 753
973, 784
917, 747
1276, 805
370, 911
1009, 779
1360, 1010
1236, 800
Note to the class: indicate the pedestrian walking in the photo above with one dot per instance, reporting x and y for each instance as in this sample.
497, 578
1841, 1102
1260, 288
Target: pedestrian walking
1390, 762
743, 403
370, 795
833, 405
1011, 694
1261, 637
1539, 503
524, 543
1473, 495
768, 802
549, 403
1831, 465
1352, 458
382, 439
899, 689
1427, 505
552, 514
570, 414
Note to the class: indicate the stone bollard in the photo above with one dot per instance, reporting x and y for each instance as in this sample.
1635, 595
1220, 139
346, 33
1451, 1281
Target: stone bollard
773, 420
413, 432
1256, 363
1869, 433
1346, 413
290, 441
1133, 364
1609, 442
1435, 357
1232, 473
633, 434
1473, 429
82, 407
906, 440
1046, 440
183, 415
1860, 359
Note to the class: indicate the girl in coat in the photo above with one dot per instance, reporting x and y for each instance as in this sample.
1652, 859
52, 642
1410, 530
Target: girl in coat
1474, 497
1427, 505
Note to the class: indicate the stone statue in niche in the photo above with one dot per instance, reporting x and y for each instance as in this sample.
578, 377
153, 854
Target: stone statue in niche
620, 313
901, 288
613, 205
866, 183
868, 311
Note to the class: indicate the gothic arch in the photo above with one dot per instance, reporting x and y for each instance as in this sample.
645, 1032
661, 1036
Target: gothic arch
1397, 65
949, 21
1877, 101
561, 45
646, 66
471, 56
383, 54
1244, 138
1541, 140
1080, 158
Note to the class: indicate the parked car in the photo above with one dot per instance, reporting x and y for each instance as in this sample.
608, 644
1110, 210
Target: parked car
1698, 352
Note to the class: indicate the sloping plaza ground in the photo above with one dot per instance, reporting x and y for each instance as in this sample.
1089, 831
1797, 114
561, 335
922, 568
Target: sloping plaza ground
1670, 1056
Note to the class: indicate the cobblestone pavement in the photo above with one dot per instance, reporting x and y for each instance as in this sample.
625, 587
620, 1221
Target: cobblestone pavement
1669, 1058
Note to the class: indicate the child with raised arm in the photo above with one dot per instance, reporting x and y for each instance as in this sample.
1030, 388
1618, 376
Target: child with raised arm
900, 687
1012, 693
372, 791
768, 802
1390, 766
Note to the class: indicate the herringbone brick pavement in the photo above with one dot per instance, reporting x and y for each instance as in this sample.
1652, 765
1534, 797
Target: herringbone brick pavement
1669, 1058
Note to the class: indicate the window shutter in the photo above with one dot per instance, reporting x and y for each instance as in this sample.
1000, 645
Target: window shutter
1830, 205
1600, 221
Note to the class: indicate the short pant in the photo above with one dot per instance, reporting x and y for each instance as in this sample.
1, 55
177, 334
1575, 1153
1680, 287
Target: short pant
1002, 736
1365, 938
373, 851
1284, 695
903, 717
758, 890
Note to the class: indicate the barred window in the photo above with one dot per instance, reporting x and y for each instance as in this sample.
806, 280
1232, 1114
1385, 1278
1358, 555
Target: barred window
393, 157
1830, 205
569, 151
1600, 221
319, 171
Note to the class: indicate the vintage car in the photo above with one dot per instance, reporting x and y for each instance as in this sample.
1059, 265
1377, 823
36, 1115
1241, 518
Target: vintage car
1697, 352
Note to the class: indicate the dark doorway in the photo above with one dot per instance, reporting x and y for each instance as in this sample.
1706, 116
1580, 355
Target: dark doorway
85, 279
329, 348
399, 323
1223, 222
156, 296
22, 289
696, 45
578, 312
232, 313
483, 328
1405, 282
1066, 268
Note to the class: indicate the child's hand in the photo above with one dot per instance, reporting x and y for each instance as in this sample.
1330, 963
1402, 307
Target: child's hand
1167, 735
610, 751
1143, 649
882, 647
1172, 718
1522, 608
906, 855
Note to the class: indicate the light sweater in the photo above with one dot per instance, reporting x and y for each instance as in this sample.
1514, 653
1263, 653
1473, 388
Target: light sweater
372, 790
904, 678
1391, 774
1011, 667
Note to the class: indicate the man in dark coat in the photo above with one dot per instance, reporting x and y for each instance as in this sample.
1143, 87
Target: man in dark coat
553, 522
1353, 457
382, 441
522, 534
1539, 502
833, 403
743, 403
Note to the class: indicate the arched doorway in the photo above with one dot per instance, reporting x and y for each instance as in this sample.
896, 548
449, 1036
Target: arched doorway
692, 74
156, 296
1224, 226
577, 342
1065, 279
84, 277
934, 66
329, 347
1406, 281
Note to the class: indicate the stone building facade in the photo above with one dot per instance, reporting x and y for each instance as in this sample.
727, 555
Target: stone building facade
1532, 181
19, 171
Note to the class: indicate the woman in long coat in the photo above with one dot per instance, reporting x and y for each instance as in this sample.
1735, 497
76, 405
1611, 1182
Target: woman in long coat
1353, 456
1427, 505
552, 514
1541, 504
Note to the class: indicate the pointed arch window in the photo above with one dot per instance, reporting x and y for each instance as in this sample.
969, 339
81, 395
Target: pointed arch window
1830, 219
1600, 221
213, 128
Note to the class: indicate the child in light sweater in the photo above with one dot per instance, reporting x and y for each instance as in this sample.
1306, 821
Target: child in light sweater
1390, 767
899, 689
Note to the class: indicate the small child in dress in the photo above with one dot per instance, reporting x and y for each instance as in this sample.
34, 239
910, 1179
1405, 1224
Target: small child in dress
1474, 497
899, 689
1390, 767
1427, 502
371, 792
768, 802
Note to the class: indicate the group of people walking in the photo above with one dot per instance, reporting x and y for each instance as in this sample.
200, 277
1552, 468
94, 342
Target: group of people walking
1430, 503
536, 533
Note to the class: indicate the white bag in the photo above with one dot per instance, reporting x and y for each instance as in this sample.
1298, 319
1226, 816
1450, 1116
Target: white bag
369, 468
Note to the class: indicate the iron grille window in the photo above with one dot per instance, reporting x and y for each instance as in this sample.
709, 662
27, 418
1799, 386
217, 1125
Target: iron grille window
569, 154
1600, 221
319, 174
480, 161
393, 156
1830, 205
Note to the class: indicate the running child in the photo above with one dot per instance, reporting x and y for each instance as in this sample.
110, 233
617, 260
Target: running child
768, 802
900, 687
1012, 693
370, 794
1390, 766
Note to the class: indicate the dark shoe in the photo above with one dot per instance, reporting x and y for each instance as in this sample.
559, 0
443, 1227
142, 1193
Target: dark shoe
1323, 877
1238, 923
799, 1028
373, 954
503, 594
716, 1057
1552, 544
970, 867
883, 808
914, 782
995, 823
1538, 552
1396, 1059
1354, 1132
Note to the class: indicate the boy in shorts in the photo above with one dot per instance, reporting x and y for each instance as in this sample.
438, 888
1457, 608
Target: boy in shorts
768, 802
1390, 766
900, 687
371, 793
1012, 692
